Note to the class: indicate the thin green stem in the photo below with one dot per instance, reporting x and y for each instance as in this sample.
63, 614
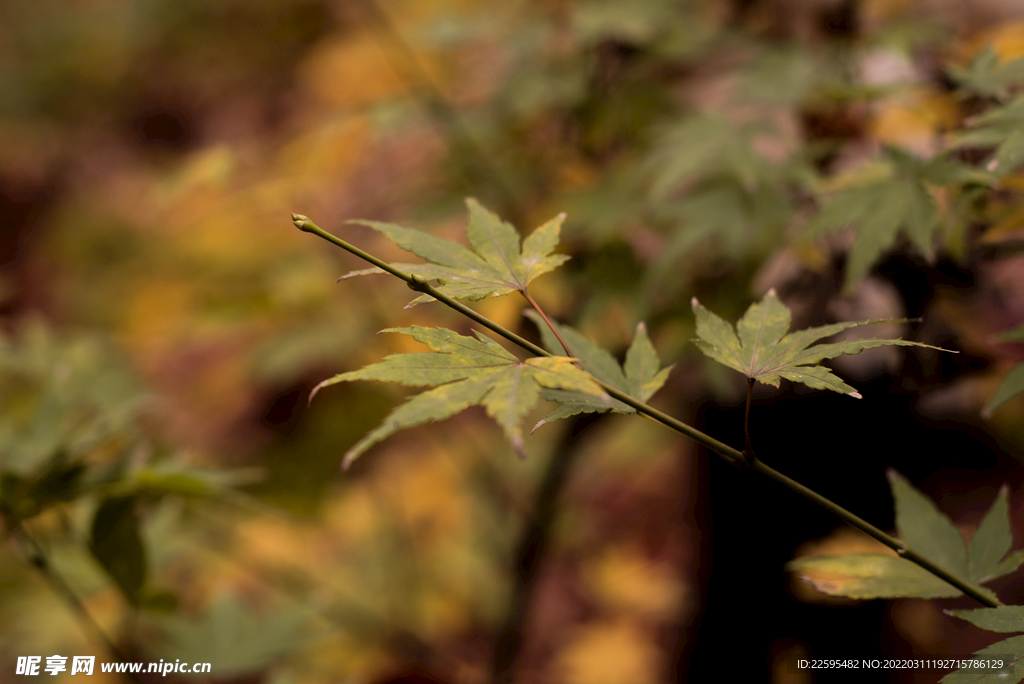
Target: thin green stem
536, 307
730, 454
747, 445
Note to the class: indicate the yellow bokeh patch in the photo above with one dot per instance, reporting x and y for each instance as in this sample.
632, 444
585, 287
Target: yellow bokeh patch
610, 653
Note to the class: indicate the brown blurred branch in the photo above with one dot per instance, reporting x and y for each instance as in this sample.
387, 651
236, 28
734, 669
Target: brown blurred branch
533, 546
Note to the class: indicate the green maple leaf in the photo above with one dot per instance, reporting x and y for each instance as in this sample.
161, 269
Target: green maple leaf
1001, 128
766, 351
1002, 619
466, 372
931, 533
495, 266
640, 376
986, 75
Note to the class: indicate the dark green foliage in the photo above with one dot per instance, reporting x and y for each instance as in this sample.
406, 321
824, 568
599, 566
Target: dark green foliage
116, 543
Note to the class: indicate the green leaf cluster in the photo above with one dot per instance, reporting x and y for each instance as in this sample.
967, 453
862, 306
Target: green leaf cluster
72, 432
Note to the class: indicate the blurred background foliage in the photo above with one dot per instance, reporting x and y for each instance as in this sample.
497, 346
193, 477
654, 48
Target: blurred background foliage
166, 492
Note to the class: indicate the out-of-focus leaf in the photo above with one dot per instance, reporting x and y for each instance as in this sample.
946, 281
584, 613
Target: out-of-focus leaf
174, 478
1013, 384
987, 76
494, 267
23, 497
741, 222
231, 636
640, 377
59, 396
637, 23
469, 372
116, 543
766, 351
945, 169
870, 576
1014, 335
626, 580
782, 75
1001, 128
880, 210
703, 145
609, 653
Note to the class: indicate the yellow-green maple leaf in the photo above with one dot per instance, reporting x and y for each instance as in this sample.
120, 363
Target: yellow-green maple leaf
467, 372
766, 351
495, 266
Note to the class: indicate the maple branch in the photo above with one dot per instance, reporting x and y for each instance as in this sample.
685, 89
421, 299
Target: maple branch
536, 307
730, 454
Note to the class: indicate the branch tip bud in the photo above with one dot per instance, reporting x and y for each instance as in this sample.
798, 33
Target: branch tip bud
417, 283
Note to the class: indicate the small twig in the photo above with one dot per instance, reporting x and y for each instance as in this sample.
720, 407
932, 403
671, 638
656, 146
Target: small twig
536, 307
747, 446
